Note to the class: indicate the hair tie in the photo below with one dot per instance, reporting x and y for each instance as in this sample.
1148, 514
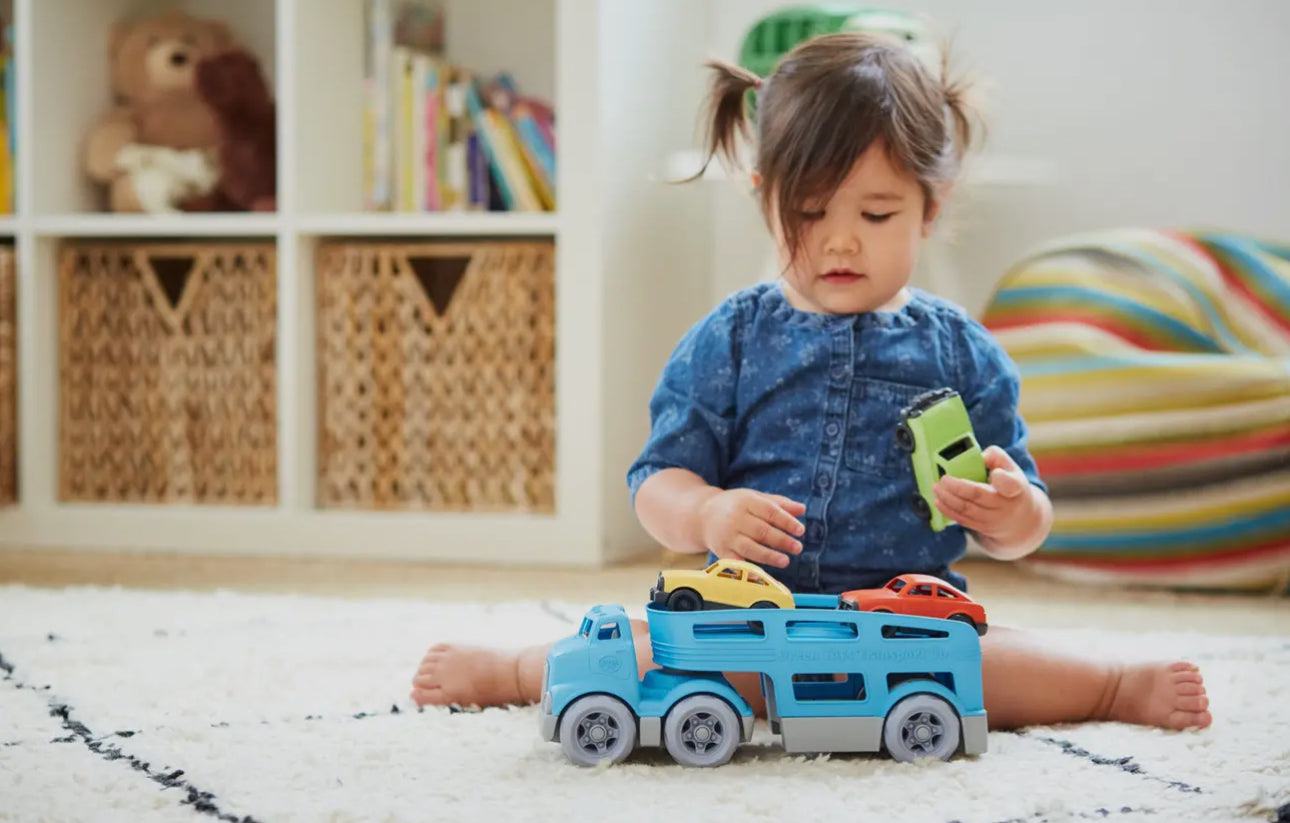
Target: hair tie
756, 84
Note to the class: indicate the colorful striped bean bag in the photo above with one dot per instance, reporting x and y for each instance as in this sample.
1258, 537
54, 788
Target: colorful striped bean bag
1156, 381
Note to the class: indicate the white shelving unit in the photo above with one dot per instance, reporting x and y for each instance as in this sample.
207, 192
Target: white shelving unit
632, 259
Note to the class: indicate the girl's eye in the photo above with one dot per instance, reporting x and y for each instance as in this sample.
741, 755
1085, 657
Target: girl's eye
811, 216
878, 218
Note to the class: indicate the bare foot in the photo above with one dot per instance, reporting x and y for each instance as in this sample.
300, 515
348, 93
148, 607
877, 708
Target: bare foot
1168, 695
467, 676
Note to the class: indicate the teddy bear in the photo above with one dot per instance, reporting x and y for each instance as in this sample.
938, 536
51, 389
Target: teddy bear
169, 133
234, 87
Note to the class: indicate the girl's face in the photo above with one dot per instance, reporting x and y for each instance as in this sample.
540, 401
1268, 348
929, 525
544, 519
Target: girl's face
858, 249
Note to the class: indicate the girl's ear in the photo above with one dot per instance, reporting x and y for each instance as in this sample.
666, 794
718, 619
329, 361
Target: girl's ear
933, 209
929, 217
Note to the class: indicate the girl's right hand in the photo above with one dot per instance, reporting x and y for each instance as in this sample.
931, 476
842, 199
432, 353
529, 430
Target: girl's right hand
744, 524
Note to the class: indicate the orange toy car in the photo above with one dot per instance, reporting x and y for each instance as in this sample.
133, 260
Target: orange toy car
920, 594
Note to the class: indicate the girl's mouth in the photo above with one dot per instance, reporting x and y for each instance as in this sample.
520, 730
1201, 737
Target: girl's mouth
842, 277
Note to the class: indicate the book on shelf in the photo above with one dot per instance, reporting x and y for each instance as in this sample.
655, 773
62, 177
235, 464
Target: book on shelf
8, 130
439, 137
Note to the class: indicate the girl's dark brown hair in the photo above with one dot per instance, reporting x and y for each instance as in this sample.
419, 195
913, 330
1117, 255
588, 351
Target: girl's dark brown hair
825, 103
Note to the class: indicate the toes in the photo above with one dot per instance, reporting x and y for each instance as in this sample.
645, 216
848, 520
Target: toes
1188, 689
1191, 676
438, 648
1190, 720
1183, 666
1195, 704
1191, 704
426, 681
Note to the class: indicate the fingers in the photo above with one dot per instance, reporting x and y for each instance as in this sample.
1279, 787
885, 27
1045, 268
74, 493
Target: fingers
759, 527
997, 458
764, 534
1008, 483
1005, 475
976, 508
744, 548
980, 495
776, 516
789, 505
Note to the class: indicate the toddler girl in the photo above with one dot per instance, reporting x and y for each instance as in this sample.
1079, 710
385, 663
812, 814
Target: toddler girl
773, 423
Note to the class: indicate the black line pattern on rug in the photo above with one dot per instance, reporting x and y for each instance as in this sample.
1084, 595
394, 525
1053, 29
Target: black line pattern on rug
203, 802
1096, 814
394, 709
1124, 764
1283, 814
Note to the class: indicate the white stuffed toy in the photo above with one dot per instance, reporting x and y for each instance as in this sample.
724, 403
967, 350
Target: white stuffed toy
164, 177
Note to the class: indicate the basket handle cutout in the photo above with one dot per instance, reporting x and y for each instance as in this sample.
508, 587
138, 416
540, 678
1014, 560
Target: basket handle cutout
172, 275
439, 278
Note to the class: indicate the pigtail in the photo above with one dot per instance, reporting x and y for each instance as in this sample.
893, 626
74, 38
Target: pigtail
726, 114
966, 120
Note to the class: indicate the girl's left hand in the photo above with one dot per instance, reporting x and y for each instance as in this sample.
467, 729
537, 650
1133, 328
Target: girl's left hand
1003, 510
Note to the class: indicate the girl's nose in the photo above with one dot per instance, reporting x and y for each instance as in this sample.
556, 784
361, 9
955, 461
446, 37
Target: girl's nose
841, 240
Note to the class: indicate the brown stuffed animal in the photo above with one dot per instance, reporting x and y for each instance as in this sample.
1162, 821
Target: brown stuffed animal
234, 88
153, 64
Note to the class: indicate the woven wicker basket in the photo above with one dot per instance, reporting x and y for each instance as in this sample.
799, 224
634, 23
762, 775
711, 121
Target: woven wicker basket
436, 376
8, 380
167, 373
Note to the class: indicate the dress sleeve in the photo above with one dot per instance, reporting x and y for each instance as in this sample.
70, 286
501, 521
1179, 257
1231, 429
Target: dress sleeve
991, 388
692, 411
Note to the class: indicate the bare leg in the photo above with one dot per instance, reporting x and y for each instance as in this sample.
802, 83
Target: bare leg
478, 676
1027, 684
748, 684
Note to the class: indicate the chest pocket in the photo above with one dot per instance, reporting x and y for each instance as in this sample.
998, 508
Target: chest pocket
876, 407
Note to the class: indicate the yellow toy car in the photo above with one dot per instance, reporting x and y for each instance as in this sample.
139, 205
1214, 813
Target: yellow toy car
726, 584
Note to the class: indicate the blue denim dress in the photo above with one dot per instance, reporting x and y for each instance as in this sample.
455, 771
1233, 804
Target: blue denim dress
761, 395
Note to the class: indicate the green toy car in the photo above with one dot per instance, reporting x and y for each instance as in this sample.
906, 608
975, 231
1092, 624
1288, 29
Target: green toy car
938, 434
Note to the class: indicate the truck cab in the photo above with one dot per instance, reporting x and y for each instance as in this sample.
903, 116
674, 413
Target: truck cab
596, 705
602, 654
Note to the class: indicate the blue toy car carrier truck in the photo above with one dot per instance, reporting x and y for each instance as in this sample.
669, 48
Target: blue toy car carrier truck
835, 680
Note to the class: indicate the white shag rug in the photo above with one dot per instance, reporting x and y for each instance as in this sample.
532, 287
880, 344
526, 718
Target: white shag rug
169, 706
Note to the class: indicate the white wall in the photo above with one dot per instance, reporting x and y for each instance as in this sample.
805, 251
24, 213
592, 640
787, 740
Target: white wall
1151, 112
657, 279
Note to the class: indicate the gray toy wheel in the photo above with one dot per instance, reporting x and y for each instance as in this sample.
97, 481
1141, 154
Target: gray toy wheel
684, 600
597, 729
765, 604
963, 618
921, 725
904, 437
921, 507
701, 730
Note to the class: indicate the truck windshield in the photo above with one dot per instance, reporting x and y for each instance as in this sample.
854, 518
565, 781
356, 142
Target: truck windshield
607, 631
585, 631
